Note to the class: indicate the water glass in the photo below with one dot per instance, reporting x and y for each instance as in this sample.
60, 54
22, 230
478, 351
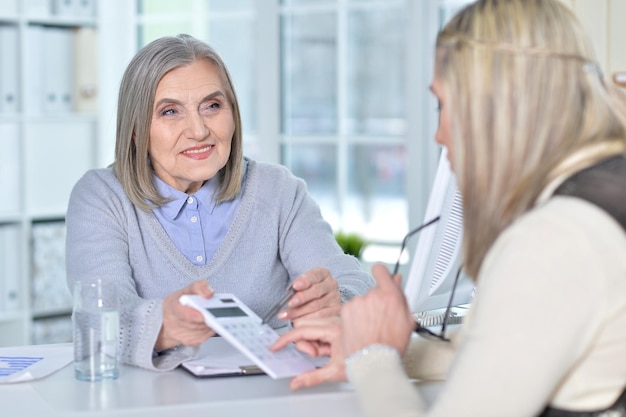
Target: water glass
96, 330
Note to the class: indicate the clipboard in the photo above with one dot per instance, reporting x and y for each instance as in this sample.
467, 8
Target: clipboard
218, 358
209, 372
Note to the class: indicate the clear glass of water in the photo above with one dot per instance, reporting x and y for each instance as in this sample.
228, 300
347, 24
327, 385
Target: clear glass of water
96, 330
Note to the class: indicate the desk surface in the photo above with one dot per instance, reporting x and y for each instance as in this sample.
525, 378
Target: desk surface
138, 392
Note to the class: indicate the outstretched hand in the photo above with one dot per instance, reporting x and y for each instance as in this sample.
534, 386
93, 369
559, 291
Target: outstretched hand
317, 337
381, 316
316, 296
184, 325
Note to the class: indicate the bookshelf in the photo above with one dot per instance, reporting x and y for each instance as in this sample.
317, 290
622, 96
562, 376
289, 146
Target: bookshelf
49, 125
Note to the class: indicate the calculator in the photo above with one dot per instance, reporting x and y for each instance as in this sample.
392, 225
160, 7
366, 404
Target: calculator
242, 328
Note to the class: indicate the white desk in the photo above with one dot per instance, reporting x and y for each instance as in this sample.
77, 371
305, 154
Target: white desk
139, 392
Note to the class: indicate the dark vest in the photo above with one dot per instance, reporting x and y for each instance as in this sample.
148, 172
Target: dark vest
604, 185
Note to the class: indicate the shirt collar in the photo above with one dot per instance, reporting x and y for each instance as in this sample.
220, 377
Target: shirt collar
178, 199
205, 195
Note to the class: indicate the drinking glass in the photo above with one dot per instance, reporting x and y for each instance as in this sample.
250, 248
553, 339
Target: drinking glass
96, 330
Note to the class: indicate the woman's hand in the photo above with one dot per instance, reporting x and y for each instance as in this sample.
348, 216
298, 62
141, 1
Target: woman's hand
183, 325
381, 316
317, 296
317, 337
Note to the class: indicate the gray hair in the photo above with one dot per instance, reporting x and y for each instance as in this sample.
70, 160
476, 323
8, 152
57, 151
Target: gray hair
134, 114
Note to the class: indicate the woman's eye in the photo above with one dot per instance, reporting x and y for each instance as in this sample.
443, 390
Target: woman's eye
168, 112
211, 107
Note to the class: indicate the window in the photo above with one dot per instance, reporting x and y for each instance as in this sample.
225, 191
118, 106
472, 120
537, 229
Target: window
343, 113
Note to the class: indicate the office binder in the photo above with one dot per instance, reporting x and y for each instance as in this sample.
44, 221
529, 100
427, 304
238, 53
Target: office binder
85, 83
9, 80
85, 8
9, 168
64, 7
57, 69
34, 62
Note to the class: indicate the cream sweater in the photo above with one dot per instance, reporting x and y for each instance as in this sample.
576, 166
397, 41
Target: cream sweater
547, 326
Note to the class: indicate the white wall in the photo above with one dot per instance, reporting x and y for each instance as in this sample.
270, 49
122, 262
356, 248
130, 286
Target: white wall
604, 21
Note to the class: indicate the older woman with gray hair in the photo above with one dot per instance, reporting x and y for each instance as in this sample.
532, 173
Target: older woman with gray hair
182, 211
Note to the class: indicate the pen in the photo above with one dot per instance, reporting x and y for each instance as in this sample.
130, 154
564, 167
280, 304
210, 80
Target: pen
279, 306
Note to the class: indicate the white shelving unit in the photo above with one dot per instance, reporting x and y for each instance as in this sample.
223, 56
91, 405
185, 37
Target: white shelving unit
48, 139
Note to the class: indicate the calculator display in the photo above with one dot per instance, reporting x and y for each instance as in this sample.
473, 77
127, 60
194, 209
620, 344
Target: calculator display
227, 312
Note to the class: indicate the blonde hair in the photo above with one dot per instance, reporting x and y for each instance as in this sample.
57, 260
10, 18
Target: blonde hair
134, 114
523, 94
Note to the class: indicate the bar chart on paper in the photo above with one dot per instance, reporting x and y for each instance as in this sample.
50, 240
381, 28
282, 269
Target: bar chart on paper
28, 363
10, 365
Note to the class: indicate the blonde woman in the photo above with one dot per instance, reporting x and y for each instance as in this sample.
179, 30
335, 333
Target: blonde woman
537, 140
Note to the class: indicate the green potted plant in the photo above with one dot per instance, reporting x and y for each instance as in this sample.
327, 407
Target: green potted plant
351, 243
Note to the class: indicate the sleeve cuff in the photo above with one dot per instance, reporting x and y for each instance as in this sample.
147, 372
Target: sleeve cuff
369, 350
381, 385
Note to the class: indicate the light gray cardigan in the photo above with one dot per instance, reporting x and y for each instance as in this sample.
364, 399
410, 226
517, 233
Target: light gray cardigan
278, 233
